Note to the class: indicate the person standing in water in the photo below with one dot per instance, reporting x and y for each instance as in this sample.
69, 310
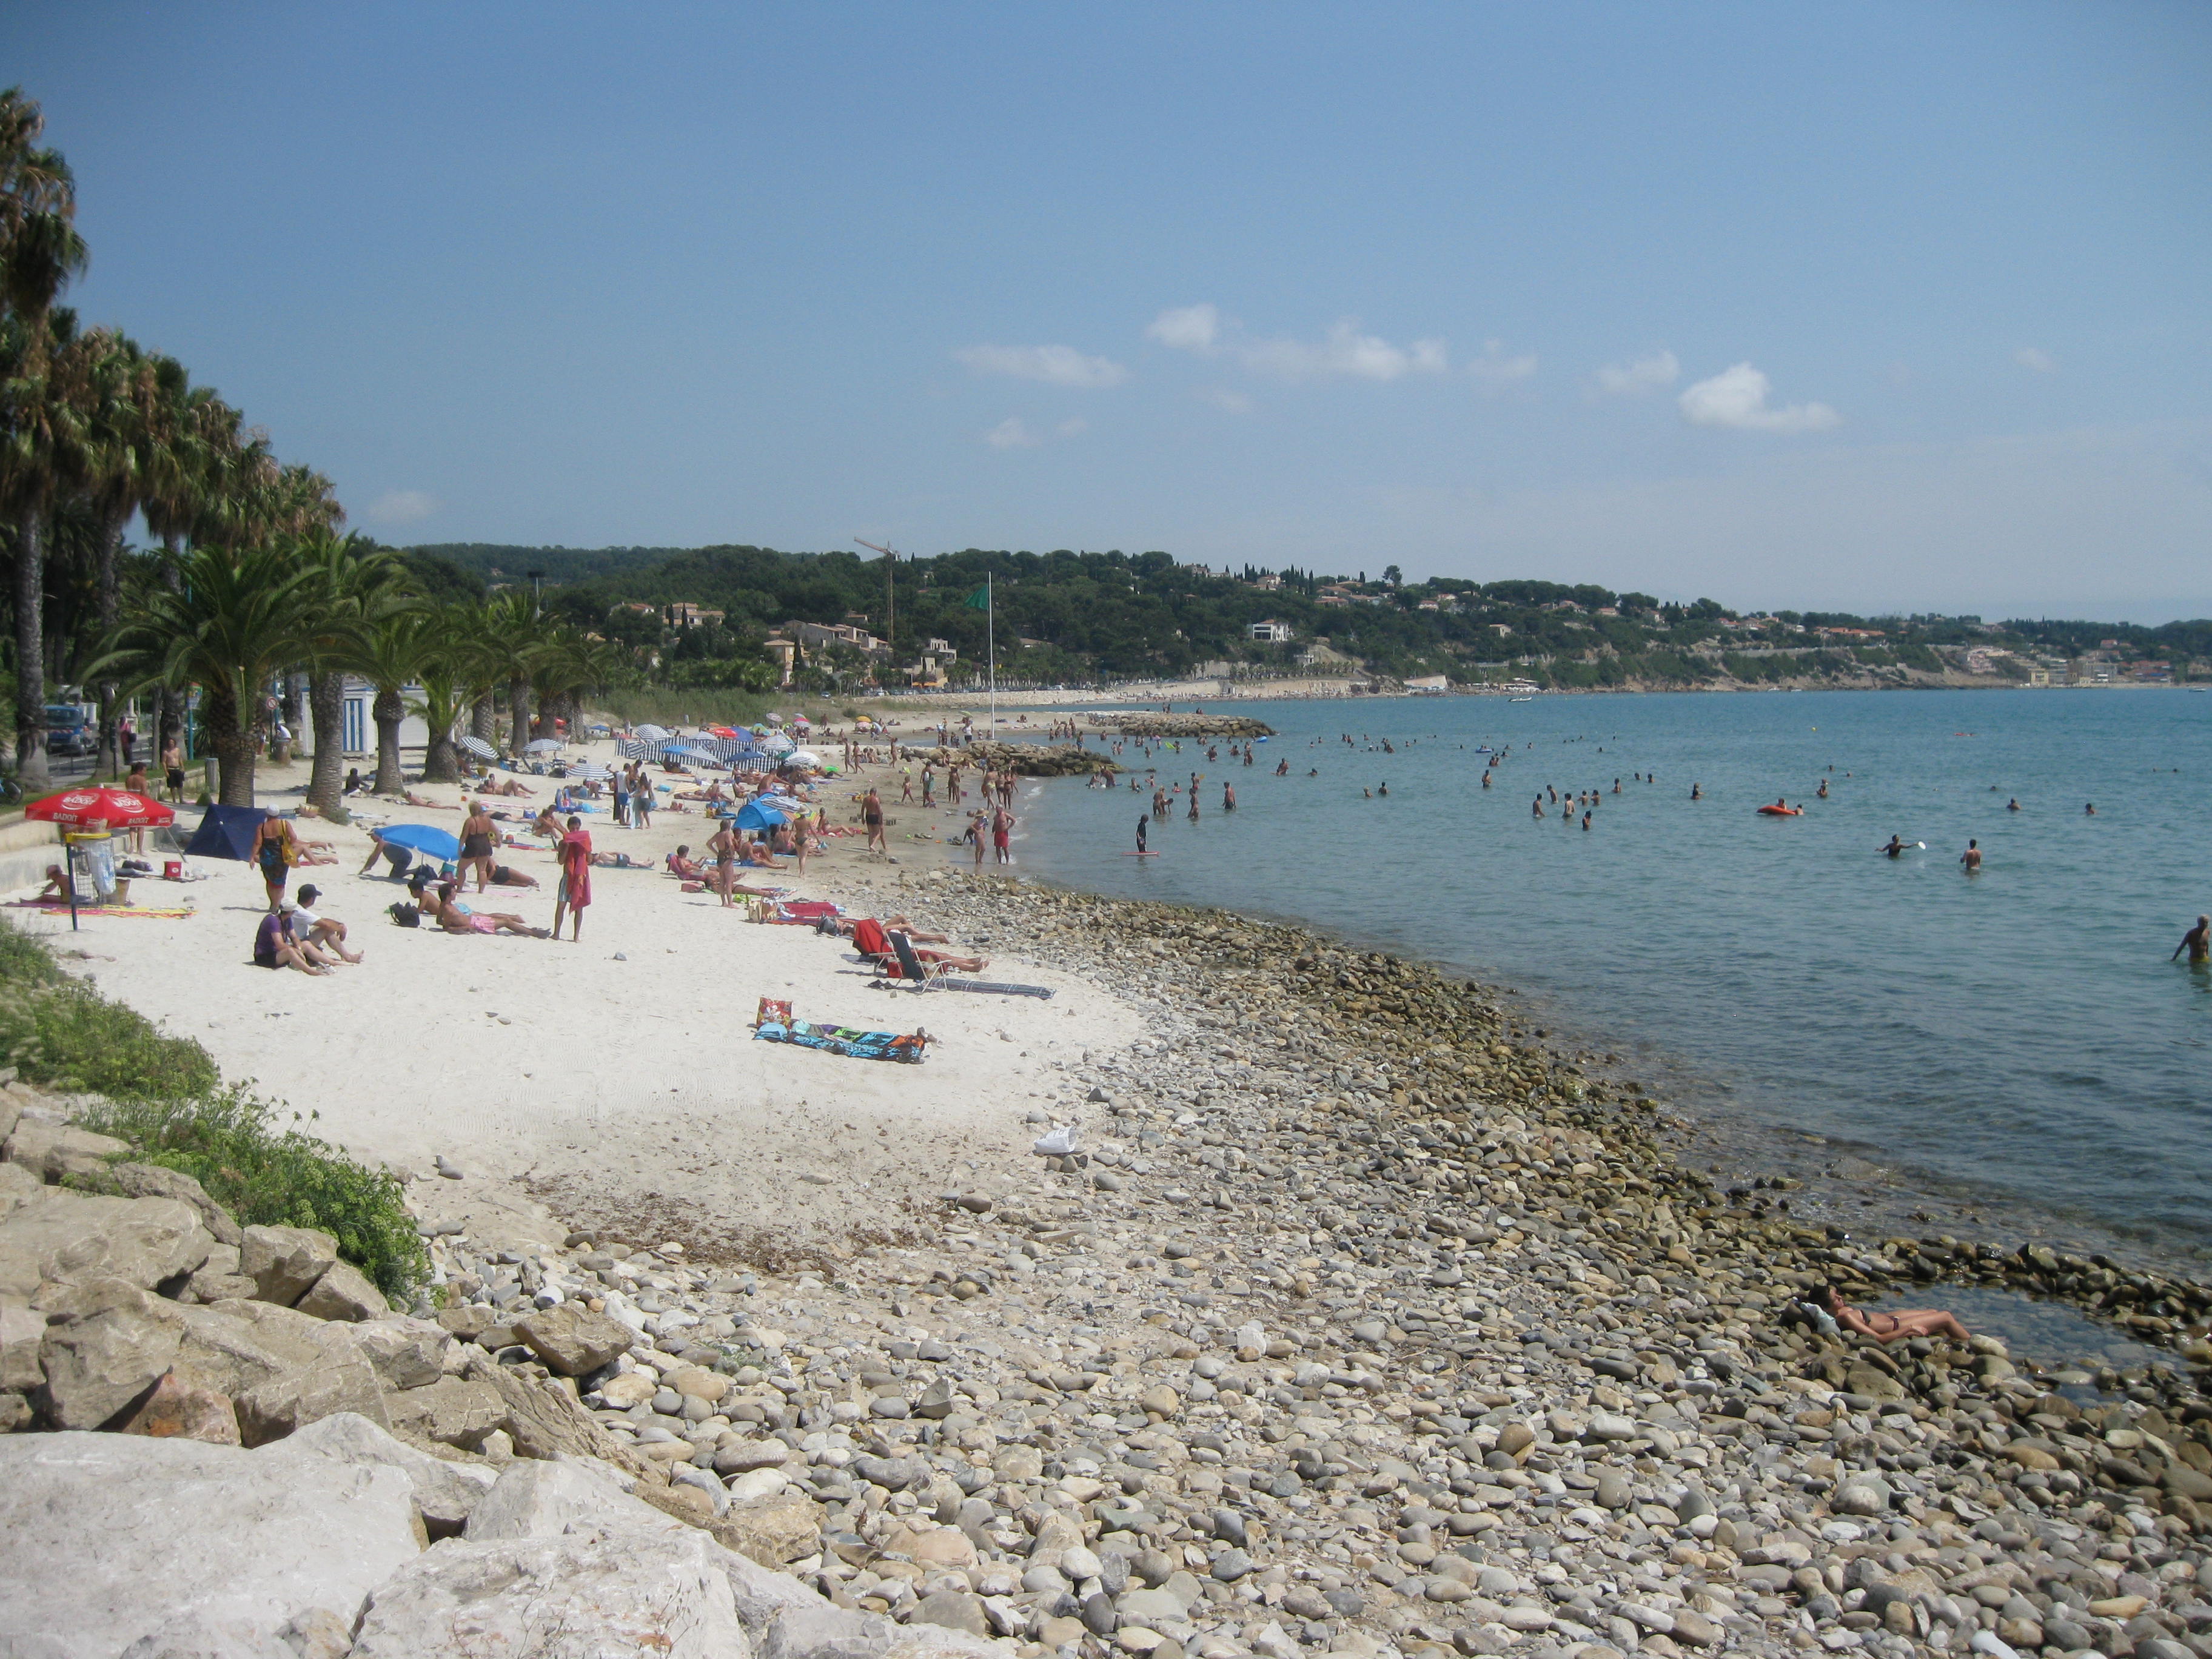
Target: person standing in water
1697, 792
1895, 849
1972, 857
1228, 797
2197, 941
1144, 822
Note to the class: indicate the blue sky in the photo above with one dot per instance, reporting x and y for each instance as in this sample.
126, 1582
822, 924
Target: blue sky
1866, 307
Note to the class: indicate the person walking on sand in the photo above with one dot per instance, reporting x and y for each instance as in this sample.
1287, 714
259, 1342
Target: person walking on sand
2197, 941
1972, 857
725, 846
871, 815
478, 836
978, 834
275, 851
575, 889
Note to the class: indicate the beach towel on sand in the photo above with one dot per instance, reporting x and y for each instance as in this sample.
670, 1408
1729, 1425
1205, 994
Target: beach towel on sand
846, 1040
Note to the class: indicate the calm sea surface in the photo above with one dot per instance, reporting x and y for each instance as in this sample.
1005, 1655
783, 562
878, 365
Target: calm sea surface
2015, 1038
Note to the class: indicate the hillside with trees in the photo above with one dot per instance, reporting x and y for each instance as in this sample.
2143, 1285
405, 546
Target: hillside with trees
1068, 617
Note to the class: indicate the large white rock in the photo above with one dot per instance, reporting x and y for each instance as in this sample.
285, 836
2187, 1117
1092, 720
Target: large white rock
535, 1499
446, 1494
72, 1238
588, 1593
111, 1538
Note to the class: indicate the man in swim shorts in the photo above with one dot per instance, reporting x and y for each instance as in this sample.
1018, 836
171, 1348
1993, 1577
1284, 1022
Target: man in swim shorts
1972, 857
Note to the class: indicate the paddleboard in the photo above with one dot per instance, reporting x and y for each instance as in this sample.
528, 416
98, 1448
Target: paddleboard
1140, 855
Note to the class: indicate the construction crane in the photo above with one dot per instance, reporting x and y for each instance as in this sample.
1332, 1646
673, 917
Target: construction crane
890, 595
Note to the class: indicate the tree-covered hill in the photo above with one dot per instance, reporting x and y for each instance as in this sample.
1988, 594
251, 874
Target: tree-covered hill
1073, 618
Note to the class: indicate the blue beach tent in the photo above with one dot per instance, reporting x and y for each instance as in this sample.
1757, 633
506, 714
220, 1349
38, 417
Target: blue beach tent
226, 832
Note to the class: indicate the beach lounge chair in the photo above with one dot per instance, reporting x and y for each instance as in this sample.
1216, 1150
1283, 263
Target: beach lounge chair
910, 964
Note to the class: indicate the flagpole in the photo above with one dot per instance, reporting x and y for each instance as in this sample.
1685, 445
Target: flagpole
991, 647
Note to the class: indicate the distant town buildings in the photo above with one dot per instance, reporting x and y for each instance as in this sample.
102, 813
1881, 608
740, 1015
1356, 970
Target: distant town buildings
1272, 632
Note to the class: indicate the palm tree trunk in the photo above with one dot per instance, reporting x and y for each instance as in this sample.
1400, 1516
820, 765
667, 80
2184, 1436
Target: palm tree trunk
111, 613
388, 711
232, 745
441, 760
326, 783
30, 654
483, 719
168, 706
518, 703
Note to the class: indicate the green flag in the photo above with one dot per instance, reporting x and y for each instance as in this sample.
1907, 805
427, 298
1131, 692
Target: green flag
980, 598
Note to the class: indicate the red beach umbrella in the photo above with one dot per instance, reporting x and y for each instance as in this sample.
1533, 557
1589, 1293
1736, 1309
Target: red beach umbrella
112, 809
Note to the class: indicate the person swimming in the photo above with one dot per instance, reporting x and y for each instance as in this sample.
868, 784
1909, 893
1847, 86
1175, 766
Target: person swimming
2013, 805
2197, 941
1895, 849
1822, 791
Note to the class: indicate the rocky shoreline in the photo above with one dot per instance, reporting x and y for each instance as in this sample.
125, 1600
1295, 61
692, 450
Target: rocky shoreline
1357, 1321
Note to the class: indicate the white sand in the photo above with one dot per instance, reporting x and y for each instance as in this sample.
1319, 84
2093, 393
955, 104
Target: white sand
518, 1058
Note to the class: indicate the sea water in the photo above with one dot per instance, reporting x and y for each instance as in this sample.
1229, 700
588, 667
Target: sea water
2016, 1036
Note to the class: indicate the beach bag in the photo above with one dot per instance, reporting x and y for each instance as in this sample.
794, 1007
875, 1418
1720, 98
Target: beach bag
407, 915
773, 1011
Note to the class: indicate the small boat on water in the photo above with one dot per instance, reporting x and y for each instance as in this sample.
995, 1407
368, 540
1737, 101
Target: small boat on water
1520, 700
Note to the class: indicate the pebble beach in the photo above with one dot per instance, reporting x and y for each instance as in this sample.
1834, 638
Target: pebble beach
1360, 1319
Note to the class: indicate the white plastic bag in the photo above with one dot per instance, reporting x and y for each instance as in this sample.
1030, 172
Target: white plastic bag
1057, 1142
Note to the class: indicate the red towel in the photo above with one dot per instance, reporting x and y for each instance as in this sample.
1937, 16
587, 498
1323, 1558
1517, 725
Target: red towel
869, 938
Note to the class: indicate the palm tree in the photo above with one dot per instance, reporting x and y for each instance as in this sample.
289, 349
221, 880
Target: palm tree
356, 587
44, 390
390, 653
121, 436
39, 252
240, 619
443, 670
521, 633
194, 432
567, 665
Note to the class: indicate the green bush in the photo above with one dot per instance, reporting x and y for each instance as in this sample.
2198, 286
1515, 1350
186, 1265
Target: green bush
228, 1140
61, 1033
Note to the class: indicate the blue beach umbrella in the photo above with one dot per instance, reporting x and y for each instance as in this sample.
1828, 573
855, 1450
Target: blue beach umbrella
427, 839
759, 815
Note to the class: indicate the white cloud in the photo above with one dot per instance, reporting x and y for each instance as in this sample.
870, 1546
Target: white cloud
1497, 370
1057, 365
1012, 432
401, 507
1222, 398
1646, 374
1346, 352
1737, 397
1186, 328
2033, 357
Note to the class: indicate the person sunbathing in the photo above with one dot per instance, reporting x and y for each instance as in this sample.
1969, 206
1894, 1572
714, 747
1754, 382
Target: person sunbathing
413, 800
58, 885
945, 959
504, 875
316, 851
757, 856
616, 861
682, 864
846, 924
546, 824
1888, 1325
509, 786
456, 917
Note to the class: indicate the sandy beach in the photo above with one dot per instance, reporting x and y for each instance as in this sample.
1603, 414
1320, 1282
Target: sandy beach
625, 1061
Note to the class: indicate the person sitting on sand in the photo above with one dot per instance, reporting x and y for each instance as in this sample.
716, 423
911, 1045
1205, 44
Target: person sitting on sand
757, 856
58, 885
682, 864
354, 784
317, 934
455, 917
1888, 1325
273, 946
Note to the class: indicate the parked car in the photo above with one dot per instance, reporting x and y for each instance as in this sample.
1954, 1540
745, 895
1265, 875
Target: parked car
69, 731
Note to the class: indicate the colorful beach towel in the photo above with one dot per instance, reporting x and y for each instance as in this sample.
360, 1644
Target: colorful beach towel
846, 1040
60, 907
